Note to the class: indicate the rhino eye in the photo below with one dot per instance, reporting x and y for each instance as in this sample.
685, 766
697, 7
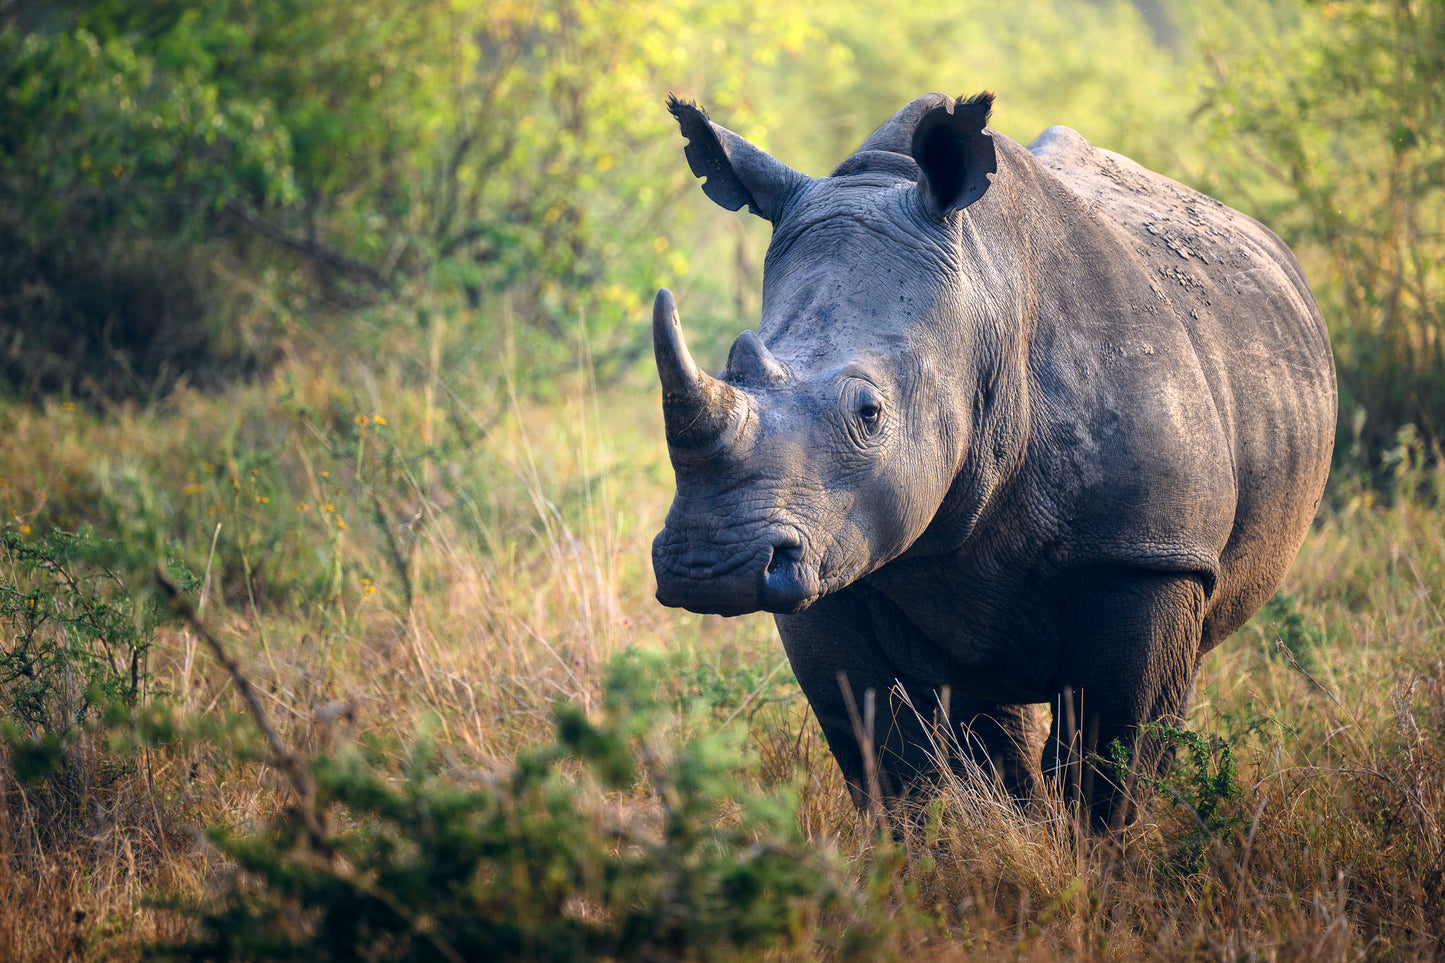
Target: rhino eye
867, 405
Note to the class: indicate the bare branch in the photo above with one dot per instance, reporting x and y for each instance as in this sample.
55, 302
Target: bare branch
310, 247
298, 773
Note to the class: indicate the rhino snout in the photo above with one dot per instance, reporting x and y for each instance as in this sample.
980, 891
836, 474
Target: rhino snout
772, 574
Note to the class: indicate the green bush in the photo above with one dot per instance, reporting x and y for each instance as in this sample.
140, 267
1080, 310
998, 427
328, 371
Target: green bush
74, 648
1294, 640
613, 842
1202, 784
118, 160
188, 190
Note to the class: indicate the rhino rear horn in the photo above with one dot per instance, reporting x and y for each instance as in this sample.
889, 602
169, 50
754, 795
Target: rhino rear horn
737, 172
751, 363
954, 153
697, 409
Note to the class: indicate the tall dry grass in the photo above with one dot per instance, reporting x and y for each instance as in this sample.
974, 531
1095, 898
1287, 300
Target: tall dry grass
477, 565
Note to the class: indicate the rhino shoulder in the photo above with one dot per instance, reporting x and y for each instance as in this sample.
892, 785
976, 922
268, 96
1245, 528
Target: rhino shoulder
1107, 179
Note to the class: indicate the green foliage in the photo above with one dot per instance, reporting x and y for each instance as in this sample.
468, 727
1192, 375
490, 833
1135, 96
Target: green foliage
726, 688
1293, 639
185, 185
116, 154
527, 866
76, 639
1328, 125
1203, 782
74, 646
1209, 778
1050, 63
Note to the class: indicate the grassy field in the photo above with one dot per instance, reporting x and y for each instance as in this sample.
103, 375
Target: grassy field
418, 701
414, 573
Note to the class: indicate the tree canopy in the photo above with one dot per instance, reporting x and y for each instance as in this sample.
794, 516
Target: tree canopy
187, 189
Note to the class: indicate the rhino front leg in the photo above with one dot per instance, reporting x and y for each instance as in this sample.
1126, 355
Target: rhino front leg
1132, 647
856, 642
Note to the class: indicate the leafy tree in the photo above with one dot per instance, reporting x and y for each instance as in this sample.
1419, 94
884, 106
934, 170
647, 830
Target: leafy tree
111, 166
1330, 126
169, 170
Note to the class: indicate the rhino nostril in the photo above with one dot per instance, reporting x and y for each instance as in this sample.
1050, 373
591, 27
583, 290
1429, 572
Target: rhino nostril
786, 549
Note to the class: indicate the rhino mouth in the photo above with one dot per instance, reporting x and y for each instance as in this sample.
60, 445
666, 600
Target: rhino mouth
775, 577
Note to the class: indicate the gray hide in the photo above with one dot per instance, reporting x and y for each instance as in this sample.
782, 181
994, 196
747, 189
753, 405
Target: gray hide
1018, 427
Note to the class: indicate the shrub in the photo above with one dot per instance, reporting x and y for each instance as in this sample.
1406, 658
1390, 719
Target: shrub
538, 864
74, 644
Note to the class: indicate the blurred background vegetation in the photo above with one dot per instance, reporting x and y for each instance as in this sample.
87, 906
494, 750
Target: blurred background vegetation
340, 311
189, 192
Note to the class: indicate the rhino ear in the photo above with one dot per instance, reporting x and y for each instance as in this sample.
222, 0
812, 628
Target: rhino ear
955, 153
736, 171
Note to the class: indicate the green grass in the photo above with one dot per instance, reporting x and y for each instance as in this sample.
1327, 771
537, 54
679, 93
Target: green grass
394, 567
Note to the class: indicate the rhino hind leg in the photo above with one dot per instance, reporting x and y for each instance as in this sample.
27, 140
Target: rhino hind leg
1005, 739
869, 676
1133, 639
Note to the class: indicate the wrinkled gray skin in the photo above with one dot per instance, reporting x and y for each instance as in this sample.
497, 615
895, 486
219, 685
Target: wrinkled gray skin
1020, 429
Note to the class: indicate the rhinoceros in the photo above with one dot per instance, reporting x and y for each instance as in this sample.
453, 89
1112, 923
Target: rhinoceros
1019, 427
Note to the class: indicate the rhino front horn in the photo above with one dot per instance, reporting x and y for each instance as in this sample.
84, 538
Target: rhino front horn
697, 409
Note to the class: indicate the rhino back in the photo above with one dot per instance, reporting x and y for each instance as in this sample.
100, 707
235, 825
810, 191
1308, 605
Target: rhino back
1185, 391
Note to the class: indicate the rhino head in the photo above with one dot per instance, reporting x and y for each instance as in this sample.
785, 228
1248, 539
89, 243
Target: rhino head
838, 430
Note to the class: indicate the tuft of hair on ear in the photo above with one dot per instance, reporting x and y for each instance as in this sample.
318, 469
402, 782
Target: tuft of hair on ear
676, 106
981, 101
